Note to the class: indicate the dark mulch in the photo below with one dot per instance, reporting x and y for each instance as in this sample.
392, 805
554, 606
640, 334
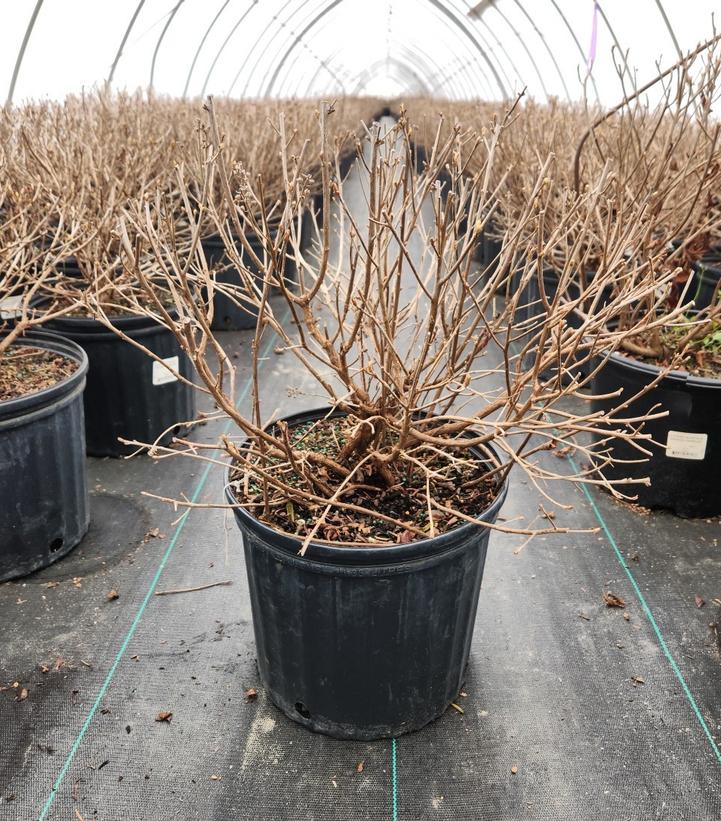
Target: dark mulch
461, 483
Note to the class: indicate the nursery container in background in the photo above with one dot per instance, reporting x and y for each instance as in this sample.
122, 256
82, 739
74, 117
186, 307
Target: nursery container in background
492, 246
227, 315
685, 470
129, 394
363, 642
707, 273
44, 509
347, 161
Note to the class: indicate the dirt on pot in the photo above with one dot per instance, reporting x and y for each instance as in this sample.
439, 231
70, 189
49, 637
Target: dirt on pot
458, 482
25, 369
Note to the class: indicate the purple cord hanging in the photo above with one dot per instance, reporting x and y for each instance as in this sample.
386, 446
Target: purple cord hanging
594, 36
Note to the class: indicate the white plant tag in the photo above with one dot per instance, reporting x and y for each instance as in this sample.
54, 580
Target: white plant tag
681, 445
162, 373
10, 307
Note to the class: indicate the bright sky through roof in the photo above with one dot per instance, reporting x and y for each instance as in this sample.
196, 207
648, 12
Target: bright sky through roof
325, 47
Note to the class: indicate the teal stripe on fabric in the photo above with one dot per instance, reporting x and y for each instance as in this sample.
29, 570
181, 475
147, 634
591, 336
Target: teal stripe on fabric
394, 779
649, 615
138, 616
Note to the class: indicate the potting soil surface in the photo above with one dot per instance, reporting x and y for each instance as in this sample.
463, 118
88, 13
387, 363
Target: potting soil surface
124, 704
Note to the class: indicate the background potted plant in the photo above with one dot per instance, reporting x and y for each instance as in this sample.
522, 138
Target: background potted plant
253, 142
676, 366
85, 159
44, 511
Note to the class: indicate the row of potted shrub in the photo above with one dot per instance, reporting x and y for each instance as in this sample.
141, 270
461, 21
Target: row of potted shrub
365, 523
68, 171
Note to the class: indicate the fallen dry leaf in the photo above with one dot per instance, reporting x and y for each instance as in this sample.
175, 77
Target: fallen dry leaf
50, 584
164, 715
406, 537
700, 601
638, 680
612, 600
112, 595
360, 766
627, 616
216, 777
251, 694
78, 581
23, 694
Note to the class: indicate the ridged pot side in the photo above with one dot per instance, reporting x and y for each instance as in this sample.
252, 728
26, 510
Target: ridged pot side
685, 470
43, 487
129, 394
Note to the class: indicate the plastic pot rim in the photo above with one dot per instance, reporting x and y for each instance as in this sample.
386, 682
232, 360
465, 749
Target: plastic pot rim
136, 325
648, 369
360, 554
21, 406
709, 270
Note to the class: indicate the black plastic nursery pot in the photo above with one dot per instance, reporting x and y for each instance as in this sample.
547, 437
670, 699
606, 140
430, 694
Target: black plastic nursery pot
530, 304
44, 510
347, 161
707, 274
492, 246
129, 394
363, 642
530, 307
237, 314
227, 315
685, 470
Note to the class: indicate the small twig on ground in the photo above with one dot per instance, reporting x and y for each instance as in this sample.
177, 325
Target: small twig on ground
226, 583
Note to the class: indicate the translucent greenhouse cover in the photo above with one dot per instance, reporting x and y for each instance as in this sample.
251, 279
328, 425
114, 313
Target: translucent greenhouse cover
389, 48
